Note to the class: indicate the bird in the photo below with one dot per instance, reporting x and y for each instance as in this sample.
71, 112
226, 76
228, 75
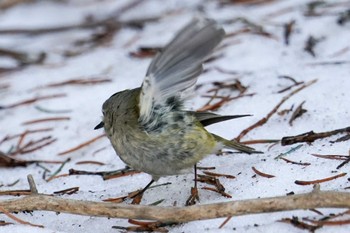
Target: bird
149, 127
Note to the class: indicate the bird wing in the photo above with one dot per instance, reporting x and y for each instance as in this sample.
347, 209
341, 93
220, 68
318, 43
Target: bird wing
176, 68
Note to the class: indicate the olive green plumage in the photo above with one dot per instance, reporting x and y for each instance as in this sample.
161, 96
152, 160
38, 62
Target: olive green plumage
148, 126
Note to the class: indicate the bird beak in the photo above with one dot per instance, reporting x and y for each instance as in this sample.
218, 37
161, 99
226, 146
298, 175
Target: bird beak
100, 125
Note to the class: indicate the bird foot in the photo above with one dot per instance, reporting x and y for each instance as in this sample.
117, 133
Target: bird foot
193, 198
136, 196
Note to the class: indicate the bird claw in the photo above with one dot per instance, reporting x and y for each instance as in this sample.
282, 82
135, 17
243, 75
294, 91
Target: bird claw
193, 198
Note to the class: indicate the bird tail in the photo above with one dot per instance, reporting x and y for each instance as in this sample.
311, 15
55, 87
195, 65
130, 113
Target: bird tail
236, 145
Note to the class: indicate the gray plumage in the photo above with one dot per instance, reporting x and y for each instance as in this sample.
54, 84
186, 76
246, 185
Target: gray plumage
177, 67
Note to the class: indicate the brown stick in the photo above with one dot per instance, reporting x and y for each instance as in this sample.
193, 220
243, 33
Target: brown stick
22, 135
293, 162
311, 136
80, 81
274, 110
3, 210
85, 25
46, 120
316, 199
81, 145
302, 182
329, 223
261, 173
33, 100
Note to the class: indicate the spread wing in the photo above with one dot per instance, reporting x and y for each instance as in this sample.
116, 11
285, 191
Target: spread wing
177, 67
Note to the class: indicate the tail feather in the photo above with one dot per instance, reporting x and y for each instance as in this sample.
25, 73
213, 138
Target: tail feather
236, 145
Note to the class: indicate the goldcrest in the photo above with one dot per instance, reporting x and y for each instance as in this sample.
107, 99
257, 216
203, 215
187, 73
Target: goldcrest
148, 126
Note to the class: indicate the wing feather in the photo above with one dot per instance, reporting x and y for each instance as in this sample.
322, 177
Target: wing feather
177, 67
208, 118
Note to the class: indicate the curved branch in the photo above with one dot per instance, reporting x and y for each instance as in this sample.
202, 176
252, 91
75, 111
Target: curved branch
315, 199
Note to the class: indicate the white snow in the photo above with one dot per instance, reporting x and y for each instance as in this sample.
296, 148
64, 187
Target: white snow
259, 62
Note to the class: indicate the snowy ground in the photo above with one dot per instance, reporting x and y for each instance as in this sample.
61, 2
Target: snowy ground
257, 61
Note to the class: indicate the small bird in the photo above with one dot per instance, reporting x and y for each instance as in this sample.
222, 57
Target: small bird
148, 126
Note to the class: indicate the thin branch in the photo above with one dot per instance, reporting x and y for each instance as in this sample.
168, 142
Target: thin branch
81, 145
46, 120
106, 175
318, 199
32, 184
302, 182
32, 100
84, 25
296, 163
297, 113
80, 81
274, 110
6, 212
311, 136
261, 173
58, 170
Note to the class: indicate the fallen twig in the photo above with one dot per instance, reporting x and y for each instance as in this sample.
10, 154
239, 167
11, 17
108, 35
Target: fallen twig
299, 224
106, 175
21, 135
84, 25
42, 109
224, 194
81, 145
16, 192
261, 173
68, 191
274, 110
89, 162
328, 223
295, 83
58, 170
288, 29
342, 139
6, 161
33, 145
301, 182
328, 63
288, 152
311, 136
296, 163
260, 141
343, 163
5, 4
334, 157
3, 223
211, 180
145, 52
145, 226
8, 214
45, 120
23, 59
219, 175
318, 199
80, 81
297, 113
213, 107
33, 100
310, 45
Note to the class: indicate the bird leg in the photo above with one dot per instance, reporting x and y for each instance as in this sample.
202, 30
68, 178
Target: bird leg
194, 190
140, 193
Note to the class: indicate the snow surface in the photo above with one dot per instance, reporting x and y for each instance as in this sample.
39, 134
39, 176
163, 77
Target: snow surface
258, 60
